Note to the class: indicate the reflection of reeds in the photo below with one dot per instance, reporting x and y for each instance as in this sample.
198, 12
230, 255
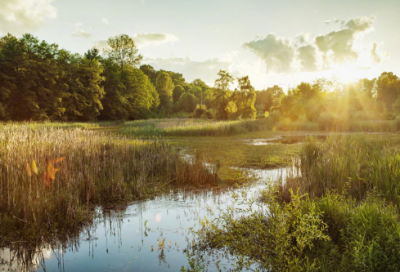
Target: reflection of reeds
98, 168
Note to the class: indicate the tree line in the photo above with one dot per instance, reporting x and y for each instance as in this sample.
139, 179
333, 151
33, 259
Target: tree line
40, 81
366, 99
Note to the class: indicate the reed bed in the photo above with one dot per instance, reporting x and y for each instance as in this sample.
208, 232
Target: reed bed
50, 177
352, 165
342, 126
341, 214
193, 127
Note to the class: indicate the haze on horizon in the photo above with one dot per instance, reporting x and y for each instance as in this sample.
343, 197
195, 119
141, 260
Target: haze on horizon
274, 42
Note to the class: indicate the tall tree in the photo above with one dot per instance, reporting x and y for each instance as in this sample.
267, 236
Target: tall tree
122, 50
165, 87
149, 71
222, 95
387, 88
245, 97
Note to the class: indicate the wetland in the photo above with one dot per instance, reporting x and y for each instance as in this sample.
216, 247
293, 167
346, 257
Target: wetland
261, 200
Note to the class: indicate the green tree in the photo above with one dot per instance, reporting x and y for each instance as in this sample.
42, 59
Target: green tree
187, 102
165, 87
177, 92
222, 95
122, 50
149, 71
245, 97
387, 88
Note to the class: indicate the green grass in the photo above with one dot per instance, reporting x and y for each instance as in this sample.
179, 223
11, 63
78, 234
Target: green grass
192, 127
352, 165
340, 126
342, 214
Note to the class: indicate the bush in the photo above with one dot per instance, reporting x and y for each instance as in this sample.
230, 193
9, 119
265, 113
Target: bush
275, 116
388, 116
327, 234
326, 121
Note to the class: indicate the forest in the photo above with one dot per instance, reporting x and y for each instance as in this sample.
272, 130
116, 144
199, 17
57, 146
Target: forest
41, 82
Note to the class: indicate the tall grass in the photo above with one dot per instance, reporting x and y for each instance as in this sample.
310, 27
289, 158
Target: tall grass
340, 214
193, 127
344, 125
353, 166
97, 168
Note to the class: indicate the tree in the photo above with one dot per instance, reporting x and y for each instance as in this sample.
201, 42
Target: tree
177, 92
387, 88
149, 71
245, 98
269, 98
222, 95
187, 102
122, 50
164, 87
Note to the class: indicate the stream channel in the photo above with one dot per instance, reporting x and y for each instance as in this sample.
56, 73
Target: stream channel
130, 238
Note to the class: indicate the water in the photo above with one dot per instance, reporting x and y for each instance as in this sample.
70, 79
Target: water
130, 238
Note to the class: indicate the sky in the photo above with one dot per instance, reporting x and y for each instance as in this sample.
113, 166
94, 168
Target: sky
274, 42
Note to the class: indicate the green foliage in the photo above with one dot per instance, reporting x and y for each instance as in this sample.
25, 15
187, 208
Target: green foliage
276, 237
352, 165
192, 127
165, 87
187, 102
344, 215
387, 88
244, 99
222, 95
326, 121
202, 112
177, 92
122, 50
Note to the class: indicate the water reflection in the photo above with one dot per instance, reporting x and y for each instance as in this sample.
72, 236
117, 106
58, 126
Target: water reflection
144, 236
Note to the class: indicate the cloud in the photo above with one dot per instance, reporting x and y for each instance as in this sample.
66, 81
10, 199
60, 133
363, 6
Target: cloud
325, 52
142, 39
375, 57
105, 21
101, 44
78, 24
307, 57
191, 69
277, 52
81, 33
303, 38
338, 46
20, 16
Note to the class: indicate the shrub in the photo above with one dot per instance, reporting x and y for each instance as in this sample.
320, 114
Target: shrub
388, 116
275, 116
326, 120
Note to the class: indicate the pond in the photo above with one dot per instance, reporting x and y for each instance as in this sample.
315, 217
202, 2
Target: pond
151, 235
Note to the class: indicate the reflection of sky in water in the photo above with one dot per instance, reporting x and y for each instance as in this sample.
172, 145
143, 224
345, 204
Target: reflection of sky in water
128, 239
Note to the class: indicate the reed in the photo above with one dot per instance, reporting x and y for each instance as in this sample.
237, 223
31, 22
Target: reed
193, 127
50, 176
352, 165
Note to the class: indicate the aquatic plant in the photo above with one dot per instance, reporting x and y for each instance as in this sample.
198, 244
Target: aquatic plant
96, 168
